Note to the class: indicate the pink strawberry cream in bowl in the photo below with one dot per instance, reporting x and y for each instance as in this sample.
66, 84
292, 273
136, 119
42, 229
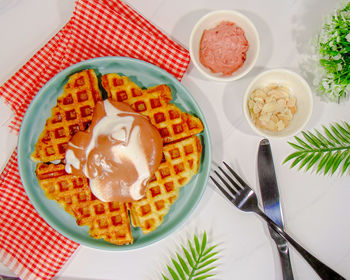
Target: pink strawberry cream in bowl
224, 45
223, 49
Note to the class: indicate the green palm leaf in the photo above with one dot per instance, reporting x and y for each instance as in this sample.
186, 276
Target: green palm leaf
328, 151
200, 261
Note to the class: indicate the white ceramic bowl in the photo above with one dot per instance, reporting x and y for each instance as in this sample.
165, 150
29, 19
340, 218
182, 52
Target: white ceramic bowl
211, 20
299, 89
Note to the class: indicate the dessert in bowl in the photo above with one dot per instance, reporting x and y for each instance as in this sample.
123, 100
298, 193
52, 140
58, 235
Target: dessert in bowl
224, 45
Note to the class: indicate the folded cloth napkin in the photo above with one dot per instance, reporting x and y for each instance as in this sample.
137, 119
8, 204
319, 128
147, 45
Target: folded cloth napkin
28, 245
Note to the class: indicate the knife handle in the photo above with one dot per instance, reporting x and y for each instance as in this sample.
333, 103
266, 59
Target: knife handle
286, 265
283, 252
319, 267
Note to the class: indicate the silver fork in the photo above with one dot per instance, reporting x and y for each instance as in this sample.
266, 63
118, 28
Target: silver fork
242, 196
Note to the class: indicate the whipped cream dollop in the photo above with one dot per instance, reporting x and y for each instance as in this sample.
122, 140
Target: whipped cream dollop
118, 153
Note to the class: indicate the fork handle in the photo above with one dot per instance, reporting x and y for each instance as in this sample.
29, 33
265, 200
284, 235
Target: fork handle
320, 268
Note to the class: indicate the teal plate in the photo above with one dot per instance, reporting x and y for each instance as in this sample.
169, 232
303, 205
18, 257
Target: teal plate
145, 75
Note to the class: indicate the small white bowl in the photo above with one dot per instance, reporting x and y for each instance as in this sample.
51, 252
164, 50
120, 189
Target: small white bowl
213, 19
299, 89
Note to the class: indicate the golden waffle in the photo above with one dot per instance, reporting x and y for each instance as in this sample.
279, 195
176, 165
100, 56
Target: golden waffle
107, 220
171, 122
180, 163
122, 89
72, 113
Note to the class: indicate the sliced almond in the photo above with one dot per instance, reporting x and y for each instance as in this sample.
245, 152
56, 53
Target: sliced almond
272, 107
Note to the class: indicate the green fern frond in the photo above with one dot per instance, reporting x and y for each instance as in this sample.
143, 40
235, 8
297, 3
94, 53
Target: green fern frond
329, 150
197, 263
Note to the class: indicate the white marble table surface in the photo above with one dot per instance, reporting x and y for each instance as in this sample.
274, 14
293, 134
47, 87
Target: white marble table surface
316, 208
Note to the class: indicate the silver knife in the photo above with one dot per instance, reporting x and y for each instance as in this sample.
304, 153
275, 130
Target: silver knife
271, 203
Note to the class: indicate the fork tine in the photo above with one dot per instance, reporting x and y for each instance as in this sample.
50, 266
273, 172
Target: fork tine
230, 179
239, 179
232, 190
221, 189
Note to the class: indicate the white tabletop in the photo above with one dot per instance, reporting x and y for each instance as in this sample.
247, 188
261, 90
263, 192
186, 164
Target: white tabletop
316, 208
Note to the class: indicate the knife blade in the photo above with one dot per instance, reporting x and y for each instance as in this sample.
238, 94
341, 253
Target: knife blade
271, 203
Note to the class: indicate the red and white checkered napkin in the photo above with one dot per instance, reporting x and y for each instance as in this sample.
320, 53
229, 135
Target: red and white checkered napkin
28, 246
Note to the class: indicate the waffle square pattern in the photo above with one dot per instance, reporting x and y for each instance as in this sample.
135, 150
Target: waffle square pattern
172, 123
73, 112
